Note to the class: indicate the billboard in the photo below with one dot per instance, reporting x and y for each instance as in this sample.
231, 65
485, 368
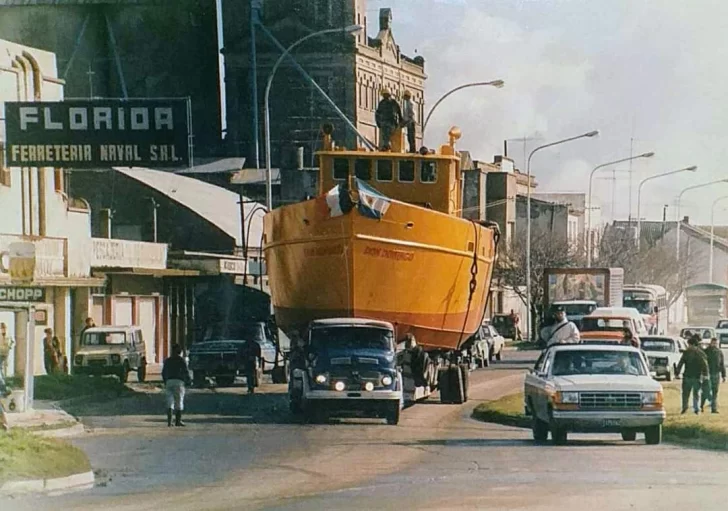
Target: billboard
97, 133
577, 286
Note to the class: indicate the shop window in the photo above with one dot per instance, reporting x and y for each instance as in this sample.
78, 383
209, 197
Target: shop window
428, 171
384, 170
341, 169
406, 171
363, 169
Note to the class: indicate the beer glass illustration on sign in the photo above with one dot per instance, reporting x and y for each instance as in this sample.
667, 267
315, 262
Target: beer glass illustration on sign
22, 262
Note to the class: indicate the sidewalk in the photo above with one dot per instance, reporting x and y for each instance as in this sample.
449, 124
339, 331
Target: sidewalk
46, 420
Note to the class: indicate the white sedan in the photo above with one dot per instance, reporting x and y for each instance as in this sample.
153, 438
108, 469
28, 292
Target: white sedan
663, 353
593, 388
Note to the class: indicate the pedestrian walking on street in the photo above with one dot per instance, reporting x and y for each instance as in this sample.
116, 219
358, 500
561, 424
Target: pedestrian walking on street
175, 375
388, 116
716, 370
51, 350
408, 120
696, 372
250, 355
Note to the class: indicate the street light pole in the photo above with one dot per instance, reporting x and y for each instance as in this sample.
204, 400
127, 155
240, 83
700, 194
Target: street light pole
351, 29
495, 83
528, 217
589, 237
712, 236
678, 221
692, 168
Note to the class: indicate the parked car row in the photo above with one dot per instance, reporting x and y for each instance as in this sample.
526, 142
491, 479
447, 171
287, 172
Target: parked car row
484, 346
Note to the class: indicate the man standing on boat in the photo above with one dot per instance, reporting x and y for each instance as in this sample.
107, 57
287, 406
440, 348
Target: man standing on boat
408, 120
388, 117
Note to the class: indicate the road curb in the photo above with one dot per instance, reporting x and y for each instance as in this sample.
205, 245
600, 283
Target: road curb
75, 482
75, 430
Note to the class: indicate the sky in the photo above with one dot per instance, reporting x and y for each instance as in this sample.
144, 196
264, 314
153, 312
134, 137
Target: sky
650, 75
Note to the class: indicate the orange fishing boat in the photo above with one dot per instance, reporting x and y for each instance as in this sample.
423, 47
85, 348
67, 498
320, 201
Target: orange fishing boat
385, 239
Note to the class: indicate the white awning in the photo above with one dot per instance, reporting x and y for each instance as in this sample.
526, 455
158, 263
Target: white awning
217, 205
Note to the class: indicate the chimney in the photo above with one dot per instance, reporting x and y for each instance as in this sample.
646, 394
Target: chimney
385, 19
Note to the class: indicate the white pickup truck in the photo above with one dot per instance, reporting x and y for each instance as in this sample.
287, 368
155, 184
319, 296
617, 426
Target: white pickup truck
593, 388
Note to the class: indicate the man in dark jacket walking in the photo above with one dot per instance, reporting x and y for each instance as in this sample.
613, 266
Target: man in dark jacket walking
175, 375
251, 356
716, 369
696, 371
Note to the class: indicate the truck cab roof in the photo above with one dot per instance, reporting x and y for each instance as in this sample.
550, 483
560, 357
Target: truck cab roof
355, 322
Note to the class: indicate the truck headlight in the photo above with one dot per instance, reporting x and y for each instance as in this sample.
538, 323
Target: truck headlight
115, 359
368, 386
567, 398
320, 379
339, 385
386, 380
652, 398
78, 360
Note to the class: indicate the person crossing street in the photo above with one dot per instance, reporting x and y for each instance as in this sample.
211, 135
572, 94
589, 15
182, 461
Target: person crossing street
716, 371
175, 375
696, 372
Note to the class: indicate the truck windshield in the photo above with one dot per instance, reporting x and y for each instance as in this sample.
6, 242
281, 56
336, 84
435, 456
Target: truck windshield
597, 362
577, 309
235, 332
103, 338
347, 337
651, 345
643, 305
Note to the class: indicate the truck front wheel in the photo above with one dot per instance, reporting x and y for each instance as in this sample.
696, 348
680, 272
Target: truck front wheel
393, 413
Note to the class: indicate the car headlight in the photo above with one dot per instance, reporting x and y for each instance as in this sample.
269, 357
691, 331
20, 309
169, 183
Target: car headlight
652, 398
78, 360
320, 379
368, 386
567, 398
339, 385
386, 380
115, 359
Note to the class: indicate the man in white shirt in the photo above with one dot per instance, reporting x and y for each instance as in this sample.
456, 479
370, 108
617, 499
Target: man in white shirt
562, 331
408, 120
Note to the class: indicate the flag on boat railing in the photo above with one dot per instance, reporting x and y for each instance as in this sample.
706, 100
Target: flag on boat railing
338, 201
371, 203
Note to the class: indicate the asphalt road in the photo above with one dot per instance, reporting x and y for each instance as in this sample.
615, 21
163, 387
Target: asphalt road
244, 452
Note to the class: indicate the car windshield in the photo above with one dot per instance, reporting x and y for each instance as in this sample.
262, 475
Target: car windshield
658, 345
722, 324
604, 324
704, 333
348, 337
235, 331
103, 338
642, 306
597, 362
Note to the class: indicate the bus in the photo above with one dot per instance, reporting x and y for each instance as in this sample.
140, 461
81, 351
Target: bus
706, 303
650, 301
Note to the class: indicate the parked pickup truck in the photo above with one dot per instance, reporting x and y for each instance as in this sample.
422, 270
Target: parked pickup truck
593, 388
663, 353
218, 354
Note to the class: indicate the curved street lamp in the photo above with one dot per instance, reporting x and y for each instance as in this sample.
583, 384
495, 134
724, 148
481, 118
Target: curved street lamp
692, 168
678, 221
498, 84
712, 236
589, 236
528, 216
351, 29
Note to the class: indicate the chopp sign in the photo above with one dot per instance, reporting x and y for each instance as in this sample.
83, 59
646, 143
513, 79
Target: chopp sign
98, 133
22, 294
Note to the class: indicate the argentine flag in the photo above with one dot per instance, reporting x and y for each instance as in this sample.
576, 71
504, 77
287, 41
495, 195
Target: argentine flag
338, 201
372, 204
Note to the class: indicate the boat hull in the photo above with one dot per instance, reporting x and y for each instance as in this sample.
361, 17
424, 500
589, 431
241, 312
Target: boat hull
412, 268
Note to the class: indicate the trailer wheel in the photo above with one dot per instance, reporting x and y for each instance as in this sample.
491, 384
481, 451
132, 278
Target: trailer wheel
443, 384
393, 414
457, 393
278, 374
465, 376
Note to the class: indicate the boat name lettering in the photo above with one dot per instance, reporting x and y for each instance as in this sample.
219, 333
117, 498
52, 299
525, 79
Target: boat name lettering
385, 253
323, 251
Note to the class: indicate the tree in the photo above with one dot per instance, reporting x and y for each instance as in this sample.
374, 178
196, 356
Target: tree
547, 251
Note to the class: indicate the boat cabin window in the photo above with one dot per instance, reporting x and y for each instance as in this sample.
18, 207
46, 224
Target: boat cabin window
363, 169
341, 169
407, 171
384, 170
428, 171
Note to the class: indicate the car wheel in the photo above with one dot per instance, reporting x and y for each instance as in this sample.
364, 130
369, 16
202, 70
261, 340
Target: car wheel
482, 362
198, 378
500, 352
559, 436
124, 374
540, 429
443, 385
668, 376
224, 381
142, 371
278, 374
653, 435
629, 435
393, 414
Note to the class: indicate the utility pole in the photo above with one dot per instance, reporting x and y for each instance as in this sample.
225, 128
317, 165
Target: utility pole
255, 7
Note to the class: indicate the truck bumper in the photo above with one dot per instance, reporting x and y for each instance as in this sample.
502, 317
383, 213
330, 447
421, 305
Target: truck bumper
97, 370
606, 421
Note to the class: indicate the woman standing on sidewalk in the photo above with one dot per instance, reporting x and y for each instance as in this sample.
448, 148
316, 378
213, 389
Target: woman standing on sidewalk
175, 375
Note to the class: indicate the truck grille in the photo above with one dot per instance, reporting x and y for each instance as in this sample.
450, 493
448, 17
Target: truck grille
609, 400
97, 362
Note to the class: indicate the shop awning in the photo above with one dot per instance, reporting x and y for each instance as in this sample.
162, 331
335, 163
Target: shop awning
217, 205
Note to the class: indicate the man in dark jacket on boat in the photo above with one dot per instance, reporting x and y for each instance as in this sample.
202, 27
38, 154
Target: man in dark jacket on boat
388, 117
